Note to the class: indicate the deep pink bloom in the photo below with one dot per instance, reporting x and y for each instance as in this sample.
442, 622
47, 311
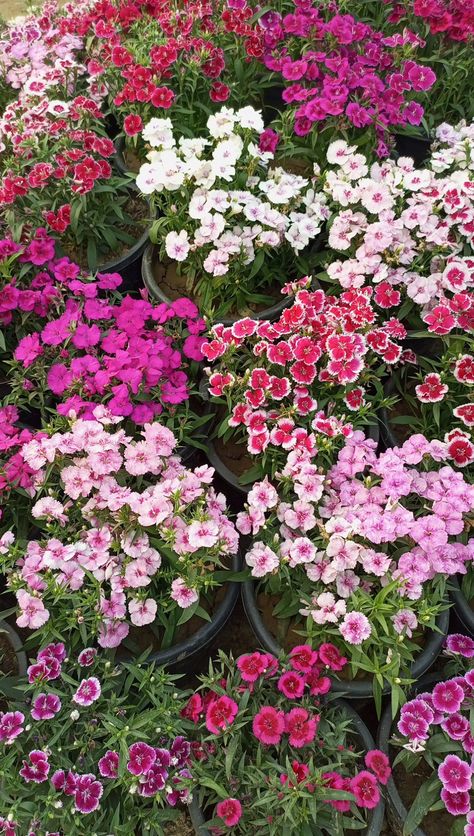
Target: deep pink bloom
291, 685
448, 696
55, 650
88, 691
365, 789
455, 774
251, 666
108, 764
86, 657
45, 706
220, 714
11, 725
303, 658
329, 655
464, 645
456, 803
44, 670
379, 763
87, 793
37, 770
301, 727
268, 725
141, 758
230, 811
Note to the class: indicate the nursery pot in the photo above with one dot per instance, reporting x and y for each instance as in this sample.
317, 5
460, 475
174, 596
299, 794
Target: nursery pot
151, 260
10, 641
462, 607
417, 147
356, 689
396, 810
129, 264
376, 817
182, 656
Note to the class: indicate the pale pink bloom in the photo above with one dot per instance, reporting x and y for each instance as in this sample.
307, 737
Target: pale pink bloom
49, 508
355, 628
262, 560
142, 612
182, 594
114, 607
34, 614
262, 496
300, 550
6, 540
160, 437
112, 633
203, 535
136, 574
139, 458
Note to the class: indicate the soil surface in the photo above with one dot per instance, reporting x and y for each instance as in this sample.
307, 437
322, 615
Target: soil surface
8, 660
408, 784
233, 455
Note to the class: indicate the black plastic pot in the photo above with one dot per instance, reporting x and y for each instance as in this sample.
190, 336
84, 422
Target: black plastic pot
376, 817
462, 607
129, 265
416, 147
388, 433
151, 256
396, 810
357, 689
15, 642
183, 656
119, 158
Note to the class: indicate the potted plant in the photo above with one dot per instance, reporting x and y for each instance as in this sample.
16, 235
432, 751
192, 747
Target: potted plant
138, 540
340, 74
136, 358
164, 61
362, 555
273, 756
229, 228
89, 742
59, 176
305, 382
431, 785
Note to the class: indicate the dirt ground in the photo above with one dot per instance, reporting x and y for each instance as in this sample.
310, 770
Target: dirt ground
11, 8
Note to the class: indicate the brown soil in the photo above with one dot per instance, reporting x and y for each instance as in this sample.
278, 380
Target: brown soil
8, 660
408, 784
235, 456
175, 285
132, 160
139, 212
181, 827
301, 167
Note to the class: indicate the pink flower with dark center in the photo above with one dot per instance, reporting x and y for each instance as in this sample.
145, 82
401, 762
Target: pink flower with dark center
251, 666
291, 685
230, 811
11, 725
220, 714
365, 789
37, 770
379, 763
44, 671
141, 758
459, 644
87, 656
301, 727
45, 706
456, 726
456, 803
268, 725
455, 774
87, 794
330, 656
108, 764
88, 691
58, 780
303, 658
448, 697
154, 781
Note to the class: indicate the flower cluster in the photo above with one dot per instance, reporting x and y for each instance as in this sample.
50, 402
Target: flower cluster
340, 71
88, 703
435, 724
452, 19
405, 231
337, 543
149, 551
233, 226
166, 57
128, 355
272, 709
296, 380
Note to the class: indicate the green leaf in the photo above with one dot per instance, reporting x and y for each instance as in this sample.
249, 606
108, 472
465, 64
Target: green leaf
426, 796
